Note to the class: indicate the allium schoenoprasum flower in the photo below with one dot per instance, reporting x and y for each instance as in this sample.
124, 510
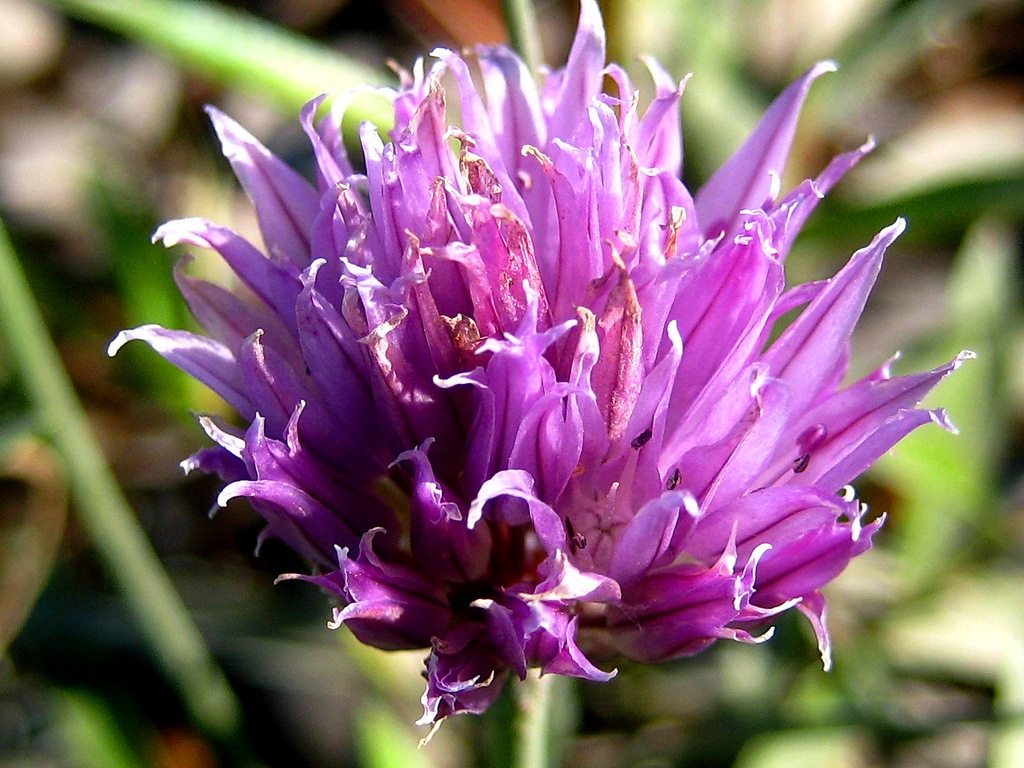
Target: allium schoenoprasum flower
521, 398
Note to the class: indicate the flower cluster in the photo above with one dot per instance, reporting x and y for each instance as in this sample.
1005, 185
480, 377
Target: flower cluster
522, 398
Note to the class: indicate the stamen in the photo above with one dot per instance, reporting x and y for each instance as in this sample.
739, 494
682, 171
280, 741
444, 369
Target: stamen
577, 541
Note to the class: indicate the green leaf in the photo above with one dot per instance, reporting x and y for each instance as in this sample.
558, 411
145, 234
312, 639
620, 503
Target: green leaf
384, 741
934, 215
88, 730
146, 289
241, 51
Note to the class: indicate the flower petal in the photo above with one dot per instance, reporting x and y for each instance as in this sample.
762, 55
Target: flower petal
745, 181
285, 202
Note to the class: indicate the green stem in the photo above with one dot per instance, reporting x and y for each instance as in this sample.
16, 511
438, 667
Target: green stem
523, 31
541, 721
126, 553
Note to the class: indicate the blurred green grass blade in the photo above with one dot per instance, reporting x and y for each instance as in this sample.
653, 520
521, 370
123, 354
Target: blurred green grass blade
947, 483
523, 33
238, 50
384, 741
115, 531
146, 291
88, 731
142, 270
877, 54
934, 215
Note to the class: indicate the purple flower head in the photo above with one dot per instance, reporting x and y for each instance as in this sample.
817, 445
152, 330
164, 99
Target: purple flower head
520, 396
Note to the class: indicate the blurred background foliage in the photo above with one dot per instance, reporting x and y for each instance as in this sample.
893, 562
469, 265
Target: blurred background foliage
102, 137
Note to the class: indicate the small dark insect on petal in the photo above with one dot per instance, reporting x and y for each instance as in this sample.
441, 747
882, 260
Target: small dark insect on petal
800, 464
673, 480
640, 440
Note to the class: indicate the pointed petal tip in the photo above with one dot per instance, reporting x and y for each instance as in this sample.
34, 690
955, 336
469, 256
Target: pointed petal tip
590, 11
178, 231
894, 230
220, 121
442, 53
160, 235
122, 338
828, 65
310, 108
228, 130
229, 492
876, 249
963, 356
941, 418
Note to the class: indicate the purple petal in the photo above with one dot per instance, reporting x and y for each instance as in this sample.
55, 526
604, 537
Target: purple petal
206, 360
654, 537
553, 646
679, 611
566, 583
549, 443
570, 253
226, 316
806, 354
216, 461
478, 126
443, 543
745, 181
517, 484
285, 202
333, 167
721, 307
333, 486
771, 515
815, 607
568, 92
798, 205
858, 425
513, 105
464, 674
658, 142
803, 565
618, 375
389, 606
294, 517
273, 284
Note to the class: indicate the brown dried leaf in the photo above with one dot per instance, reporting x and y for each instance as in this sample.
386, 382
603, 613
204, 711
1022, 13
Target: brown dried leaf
33, 511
